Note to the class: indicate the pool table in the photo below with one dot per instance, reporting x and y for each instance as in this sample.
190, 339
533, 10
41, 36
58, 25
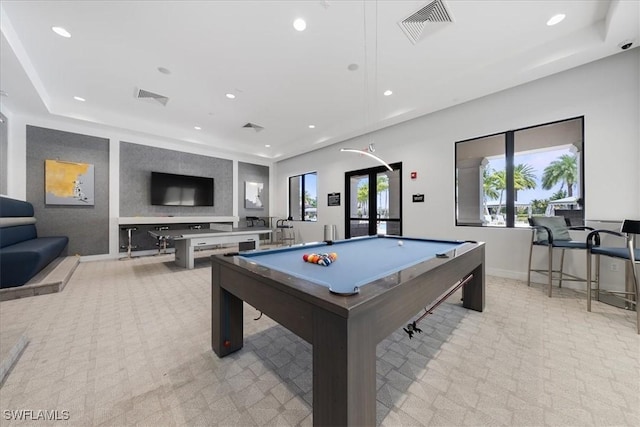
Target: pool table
377, 285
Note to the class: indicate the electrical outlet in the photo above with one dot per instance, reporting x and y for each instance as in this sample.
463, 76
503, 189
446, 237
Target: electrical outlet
613, 266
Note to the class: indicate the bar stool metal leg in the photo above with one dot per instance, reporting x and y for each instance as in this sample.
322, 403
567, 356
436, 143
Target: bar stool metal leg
162, 240
129, 246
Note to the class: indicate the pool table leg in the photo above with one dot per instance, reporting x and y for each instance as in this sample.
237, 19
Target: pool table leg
226, 317
344, 370
473, 292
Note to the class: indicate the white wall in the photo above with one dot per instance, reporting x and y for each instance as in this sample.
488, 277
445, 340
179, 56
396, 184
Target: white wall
605, 92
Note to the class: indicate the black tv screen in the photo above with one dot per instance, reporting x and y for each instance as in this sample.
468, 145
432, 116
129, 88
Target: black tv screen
169, 189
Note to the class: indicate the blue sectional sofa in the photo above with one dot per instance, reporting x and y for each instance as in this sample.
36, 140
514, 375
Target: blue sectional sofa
22, 253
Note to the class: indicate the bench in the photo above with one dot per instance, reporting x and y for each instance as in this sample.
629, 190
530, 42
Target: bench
22, 253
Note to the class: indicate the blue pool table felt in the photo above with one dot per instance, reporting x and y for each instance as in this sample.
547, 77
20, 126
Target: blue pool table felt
360, 260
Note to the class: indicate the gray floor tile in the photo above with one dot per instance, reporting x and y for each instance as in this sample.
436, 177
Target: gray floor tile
128, 343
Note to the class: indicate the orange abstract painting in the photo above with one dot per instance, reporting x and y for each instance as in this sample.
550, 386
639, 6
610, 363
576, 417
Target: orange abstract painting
69, 183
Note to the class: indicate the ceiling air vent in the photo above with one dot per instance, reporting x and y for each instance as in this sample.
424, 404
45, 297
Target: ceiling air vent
253, 126
430, 18
145, 94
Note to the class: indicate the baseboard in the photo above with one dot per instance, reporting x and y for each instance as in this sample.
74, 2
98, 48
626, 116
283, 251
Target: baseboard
542, 279
506, 274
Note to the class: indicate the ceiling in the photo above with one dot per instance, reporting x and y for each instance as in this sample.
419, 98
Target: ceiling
285, 80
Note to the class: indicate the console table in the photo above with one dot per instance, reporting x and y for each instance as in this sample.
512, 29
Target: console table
185, 241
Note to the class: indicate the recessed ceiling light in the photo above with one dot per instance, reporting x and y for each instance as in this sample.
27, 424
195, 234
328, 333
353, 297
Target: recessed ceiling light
197, 128
230, 96
164, 70
79, 98
312, 126
388, 92
267, 146
352, 67
61, 32
299, 24
556, 19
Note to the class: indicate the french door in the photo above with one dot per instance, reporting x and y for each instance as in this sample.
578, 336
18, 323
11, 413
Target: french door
374, 201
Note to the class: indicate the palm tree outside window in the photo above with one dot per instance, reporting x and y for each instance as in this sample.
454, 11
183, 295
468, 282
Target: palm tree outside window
503, 179
303, 197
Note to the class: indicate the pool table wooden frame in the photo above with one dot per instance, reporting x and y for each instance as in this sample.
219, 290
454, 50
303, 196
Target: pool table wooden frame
343, 330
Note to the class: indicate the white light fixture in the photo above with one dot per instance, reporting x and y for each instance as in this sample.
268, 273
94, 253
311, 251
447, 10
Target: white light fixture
230, 96
388, 92
312, 126
197, 128
299, 24
267, 146
164, 70
367, 152
61, 32
79, 98
371, 148
556, 19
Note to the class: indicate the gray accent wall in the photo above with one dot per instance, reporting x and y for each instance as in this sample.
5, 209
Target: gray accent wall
86, 226
253, 173
138, 161
4, 161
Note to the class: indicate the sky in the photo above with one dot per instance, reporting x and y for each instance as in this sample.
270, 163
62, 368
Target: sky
311, 184
538, 161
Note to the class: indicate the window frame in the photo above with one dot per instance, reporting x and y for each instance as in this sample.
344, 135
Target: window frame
303, 186
373, 203
510, 154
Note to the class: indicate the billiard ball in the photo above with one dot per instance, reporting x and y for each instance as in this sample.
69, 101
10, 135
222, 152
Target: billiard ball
400, 243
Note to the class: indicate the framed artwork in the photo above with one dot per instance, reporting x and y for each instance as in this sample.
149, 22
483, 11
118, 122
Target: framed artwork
68, 183
253, 195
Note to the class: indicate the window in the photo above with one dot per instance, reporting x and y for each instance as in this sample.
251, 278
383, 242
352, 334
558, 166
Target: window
503, 179
303, 197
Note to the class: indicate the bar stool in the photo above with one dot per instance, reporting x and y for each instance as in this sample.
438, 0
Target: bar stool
162, 240
285, 232
129, 246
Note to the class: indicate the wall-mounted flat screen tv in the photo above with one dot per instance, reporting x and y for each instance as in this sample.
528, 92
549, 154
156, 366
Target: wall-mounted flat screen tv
168, 189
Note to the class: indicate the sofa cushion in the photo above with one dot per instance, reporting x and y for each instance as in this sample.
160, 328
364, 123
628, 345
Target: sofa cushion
12, 207
21, 261
11, 235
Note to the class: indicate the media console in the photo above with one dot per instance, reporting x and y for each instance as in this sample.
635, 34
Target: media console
135, 220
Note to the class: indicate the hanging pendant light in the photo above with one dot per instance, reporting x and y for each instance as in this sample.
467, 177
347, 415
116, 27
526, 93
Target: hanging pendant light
371, 147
